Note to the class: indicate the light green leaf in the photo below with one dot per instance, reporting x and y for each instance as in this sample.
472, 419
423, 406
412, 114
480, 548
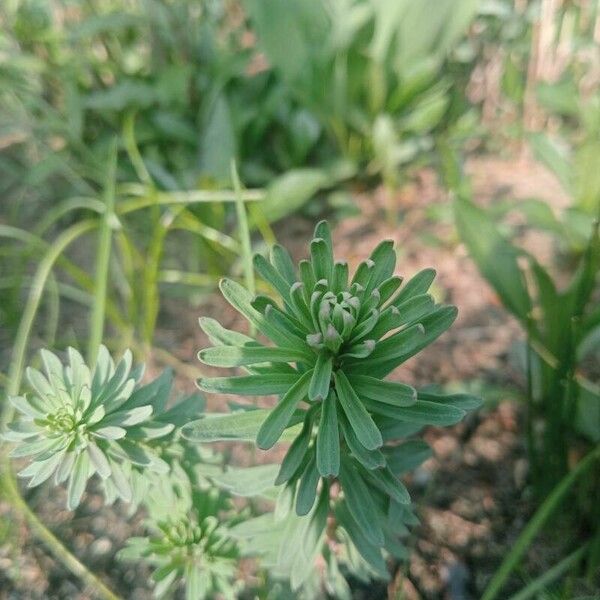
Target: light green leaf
307, 489
388, 392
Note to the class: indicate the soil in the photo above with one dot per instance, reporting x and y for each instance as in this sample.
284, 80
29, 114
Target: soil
473, 495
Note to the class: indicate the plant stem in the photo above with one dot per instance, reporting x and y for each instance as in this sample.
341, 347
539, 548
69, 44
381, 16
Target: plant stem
15, 375
102, 259
535, 524
244, 231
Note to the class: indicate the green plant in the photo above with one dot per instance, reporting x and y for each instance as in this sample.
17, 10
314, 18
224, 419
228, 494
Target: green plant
562, 328
371, 72
335, 340
80, 421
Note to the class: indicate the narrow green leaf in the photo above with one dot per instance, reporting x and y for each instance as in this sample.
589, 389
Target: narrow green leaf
384, 259
235, 356
415, 286
370, 459
360, 503
386, 481
328, 439
219, 336
321, 378
407, 456
250, 385
339, 281
280, 415
240, 426
282, 261
296, 453
388, 392
421, 412
360, 420
321, 259
307, 489
389, 287
268, 272
78, 480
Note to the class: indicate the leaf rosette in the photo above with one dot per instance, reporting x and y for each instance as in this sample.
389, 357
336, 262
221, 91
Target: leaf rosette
78, 422
325, 350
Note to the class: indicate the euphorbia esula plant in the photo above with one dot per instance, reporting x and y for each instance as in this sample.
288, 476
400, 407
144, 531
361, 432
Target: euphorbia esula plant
334, 338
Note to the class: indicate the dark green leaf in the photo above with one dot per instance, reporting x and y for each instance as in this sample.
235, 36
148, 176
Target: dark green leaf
280, 416
328, 439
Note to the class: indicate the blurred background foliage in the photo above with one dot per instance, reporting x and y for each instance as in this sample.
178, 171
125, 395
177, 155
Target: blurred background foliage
124, 117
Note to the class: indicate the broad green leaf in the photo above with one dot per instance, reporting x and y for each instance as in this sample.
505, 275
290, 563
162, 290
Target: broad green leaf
235, 356
361, 422
321, 378
240, 426
388, 392
280, 416
249, 385
328, 439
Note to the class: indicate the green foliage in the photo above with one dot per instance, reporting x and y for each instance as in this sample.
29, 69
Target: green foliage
371, 72
335, 339
562, 331
78, 422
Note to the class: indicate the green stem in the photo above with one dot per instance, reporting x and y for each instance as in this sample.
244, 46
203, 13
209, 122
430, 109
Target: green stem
552, 574
102, 260
244, 231
535, 524
15, 376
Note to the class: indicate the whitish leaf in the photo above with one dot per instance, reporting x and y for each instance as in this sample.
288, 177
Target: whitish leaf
280, 416
361, 422
78, 480
328, 439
